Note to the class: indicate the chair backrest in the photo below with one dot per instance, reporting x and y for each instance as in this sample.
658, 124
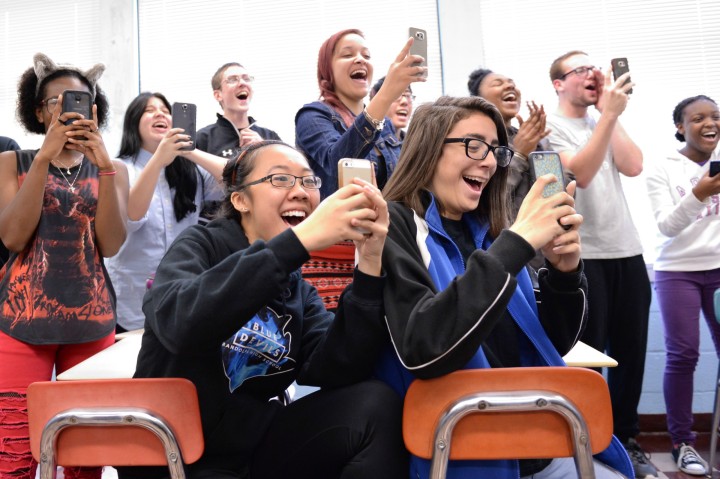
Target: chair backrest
531, 432
110, 404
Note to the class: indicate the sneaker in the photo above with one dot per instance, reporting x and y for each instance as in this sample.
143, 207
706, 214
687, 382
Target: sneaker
642, 467
688, 460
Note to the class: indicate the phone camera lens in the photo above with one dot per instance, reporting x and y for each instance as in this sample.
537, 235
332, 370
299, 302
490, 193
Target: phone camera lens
184, 107
420, 36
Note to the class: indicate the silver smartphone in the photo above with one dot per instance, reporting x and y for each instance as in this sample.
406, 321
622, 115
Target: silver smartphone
349, 168
419, 46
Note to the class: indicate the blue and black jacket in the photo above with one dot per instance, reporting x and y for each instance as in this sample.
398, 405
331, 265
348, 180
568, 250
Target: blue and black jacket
440, 309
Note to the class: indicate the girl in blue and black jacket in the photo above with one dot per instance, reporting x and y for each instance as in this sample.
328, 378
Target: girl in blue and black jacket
457, 294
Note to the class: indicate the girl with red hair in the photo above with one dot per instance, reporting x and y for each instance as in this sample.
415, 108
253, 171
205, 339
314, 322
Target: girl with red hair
340, 125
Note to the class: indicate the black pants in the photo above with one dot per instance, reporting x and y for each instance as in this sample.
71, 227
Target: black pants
619, 307
350, 433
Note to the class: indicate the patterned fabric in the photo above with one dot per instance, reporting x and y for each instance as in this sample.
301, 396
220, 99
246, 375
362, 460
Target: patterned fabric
57, 290
330, 271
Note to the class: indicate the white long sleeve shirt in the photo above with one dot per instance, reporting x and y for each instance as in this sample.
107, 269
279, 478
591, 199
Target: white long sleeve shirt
689, 238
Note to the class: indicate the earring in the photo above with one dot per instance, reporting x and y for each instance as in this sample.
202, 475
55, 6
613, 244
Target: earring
244, 210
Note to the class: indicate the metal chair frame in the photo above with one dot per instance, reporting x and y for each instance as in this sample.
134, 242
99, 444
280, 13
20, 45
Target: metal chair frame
103, 417
518, 401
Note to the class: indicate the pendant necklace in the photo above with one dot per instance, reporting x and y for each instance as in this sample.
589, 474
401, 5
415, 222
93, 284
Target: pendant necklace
71, 186
67, 168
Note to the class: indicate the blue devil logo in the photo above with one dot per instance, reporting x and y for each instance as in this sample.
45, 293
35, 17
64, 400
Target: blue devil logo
259, 348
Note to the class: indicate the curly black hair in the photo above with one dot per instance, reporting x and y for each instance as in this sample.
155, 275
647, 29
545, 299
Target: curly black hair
475, 79
679, 111
28, 102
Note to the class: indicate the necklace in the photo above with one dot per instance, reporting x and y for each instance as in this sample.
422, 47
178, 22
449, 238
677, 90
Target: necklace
71, 185
67, 167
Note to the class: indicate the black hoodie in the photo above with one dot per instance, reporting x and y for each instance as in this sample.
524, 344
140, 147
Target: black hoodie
239, 322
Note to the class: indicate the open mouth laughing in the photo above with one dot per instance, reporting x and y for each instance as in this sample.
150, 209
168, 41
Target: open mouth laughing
475, 183
293, 217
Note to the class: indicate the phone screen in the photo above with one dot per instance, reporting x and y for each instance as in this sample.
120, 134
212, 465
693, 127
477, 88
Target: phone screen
714, 167
419, 46
183, 116
77, 101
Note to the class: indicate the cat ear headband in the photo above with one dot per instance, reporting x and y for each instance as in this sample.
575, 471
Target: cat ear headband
43, 67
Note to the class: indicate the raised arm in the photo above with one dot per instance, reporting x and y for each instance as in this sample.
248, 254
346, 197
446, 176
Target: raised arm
608, 133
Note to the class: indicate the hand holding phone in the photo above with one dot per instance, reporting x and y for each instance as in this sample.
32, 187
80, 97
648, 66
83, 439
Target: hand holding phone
184, 116
419, 46
544, 162
620, 67
77, 101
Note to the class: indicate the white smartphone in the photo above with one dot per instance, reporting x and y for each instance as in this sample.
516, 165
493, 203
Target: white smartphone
419, 46
349, 168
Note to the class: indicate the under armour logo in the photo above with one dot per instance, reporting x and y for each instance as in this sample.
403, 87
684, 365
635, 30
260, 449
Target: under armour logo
227, 153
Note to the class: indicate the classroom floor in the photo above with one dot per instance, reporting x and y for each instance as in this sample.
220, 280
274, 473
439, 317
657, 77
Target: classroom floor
658, 445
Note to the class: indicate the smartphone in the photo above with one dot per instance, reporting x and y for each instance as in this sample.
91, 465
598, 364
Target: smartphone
419, 46
714, 167
184, 116
79, 102
349, 168
544, 162
620, 67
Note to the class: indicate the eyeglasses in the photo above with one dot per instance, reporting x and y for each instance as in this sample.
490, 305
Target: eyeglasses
284, 180
49, 104
477, 149
233, 80
579, 71
408, 96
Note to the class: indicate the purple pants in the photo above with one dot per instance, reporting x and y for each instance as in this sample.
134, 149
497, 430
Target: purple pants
682, 296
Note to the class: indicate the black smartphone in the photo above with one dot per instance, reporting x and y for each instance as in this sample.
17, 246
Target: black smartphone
714, 167
79, 102
620, 67
184, 116
419, 46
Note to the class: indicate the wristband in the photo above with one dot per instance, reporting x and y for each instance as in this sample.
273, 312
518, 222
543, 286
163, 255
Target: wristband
107, 173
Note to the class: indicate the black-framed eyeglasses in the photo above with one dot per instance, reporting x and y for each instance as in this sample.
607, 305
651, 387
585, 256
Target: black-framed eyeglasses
477, 149
49, 104
579, 71
285, 180
233, 80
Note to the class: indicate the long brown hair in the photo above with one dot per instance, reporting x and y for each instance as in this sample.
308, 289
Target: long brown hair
422, 149
326, 82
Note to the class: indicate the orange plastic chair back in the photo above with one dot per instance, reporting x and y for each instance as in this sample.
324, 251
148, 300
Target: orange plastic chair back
508, 435
173, 400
